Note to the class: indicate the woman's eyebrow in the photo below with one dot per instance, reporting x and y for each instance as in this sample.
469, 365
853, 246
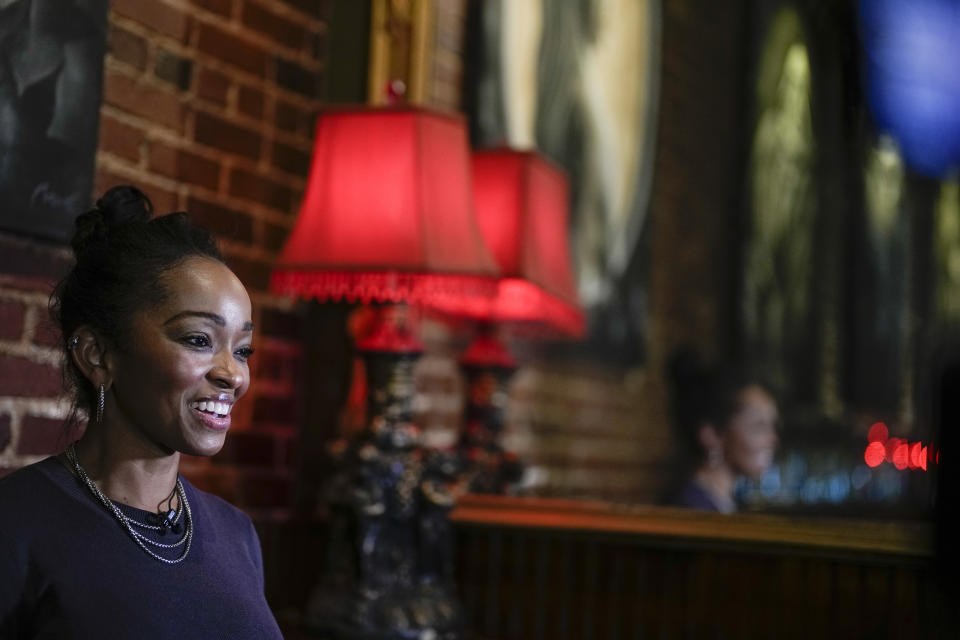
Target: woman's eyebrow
206, 315
212, 317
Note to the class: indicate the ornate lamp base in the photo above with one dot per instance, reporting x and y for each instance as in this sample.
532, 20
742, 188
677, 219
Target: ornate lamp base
389, 561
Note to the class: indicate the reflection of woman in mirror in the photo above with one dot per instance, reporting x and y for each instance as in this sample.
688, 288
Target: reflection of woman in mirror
726, 419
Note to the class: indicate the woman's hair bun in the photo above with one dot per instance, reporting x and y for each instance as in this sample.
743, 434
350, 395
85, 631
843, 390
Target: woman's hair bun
117, 207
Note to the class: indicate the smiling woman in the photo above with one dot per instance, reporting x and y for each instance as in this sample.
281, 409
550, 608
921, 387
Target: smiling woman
108, 540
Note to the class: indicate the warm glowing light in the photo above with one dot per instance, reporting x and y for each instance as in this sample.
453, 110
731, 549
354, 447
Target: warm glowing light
874, 454
923, 458
890, 446
915, 451
878, 432
901, 456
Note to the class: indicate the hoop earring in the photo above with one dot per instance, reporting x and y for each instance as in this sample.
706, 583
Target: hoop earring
100, 401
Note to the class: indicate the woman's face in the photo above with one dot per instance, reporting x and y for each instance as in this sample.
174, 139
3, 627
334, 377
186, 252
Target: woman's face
183, 364
751, 435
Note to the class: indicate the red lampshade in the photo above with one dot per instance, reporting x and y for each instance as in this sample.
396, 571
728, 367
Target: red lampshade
388, 215
522, 202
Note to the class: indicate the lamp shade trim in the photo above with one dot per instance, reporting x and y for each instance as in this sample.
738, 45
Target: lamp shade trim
461, 294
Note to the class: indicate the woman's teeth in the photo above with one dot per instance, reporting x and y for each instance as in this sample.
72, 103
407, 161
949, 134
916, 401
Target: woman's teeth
218, 408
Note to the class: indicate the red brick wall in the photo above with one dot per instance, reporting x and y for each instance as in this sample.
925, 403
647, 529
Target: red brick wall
208, 105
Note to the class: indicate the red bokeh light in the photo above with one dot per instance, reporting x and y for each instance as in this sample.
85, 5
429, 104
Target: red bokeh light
923, 458
874, 454
878, 432
901, 456
889, 447
915, 451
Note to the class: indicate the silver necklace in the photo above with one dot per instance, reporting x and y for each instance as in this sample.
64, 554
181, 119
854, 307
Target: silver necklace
124, 521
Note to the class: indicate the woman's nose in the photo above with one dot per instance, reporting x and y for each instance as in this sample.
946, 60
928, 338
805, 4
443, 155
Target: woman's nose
227, 372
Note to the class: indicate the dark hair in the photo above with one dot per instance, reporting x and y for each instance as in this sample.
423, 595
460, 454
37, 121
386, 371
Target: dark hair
702, 394
121, 254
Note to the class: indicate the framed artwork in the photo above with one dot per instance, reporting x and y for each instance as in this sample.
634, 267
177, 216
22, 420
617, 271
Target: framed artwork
578, 81
51, 77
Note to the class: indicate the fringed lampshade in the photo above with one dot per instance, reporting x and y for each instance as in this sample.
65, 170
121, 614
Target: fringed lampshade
522, 203
387, 215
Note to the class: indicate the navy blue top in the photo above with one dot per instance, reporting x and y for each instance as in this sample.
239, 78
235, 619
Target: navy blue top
693, 496
68, 569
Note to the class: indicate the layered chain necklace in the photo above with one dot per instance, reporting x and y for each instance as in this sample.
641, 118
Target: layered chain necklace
170, 520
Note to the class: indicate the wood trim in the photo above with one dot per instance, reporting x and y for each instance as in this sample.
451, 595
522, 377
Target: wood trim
898, 538
378, 69
390, 60
420, 51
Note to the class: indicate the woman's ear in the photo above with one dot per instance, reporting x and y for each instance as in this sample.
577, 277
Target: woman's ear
89, 353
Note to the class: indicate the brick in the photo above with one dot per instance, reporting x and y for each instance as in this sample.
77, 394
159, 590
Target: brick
6, 432
313, 8
21, 377
213, 86
273, 236
127, 47
272, 410
232, 50
317, 45
173, 68
280, 324
148, 101
297, 78
277, 367
250, 102
288, 117
184, 166
225, 136
11, 319
223, 221
33, 261
249, 449
222, 7
255, 275
290, 159
46, 333
156, 15
120, 138
42, 436
244, 184
277, 28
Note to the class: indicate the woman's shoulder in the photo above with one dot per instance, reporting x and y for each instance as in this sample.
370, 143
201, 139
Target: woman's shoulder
36, 494
214, 506
22, 484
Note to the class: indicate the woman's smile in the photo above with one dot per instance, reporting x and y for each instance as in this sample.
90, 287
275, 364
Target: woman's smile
214, 412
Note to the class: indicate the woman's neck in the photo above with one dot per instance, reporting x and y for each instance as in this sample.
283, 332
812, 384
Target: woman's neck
127, 471
718, 480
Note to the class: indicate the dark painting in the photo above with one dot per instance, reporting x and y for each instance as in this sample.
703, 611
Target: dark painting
51, 74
